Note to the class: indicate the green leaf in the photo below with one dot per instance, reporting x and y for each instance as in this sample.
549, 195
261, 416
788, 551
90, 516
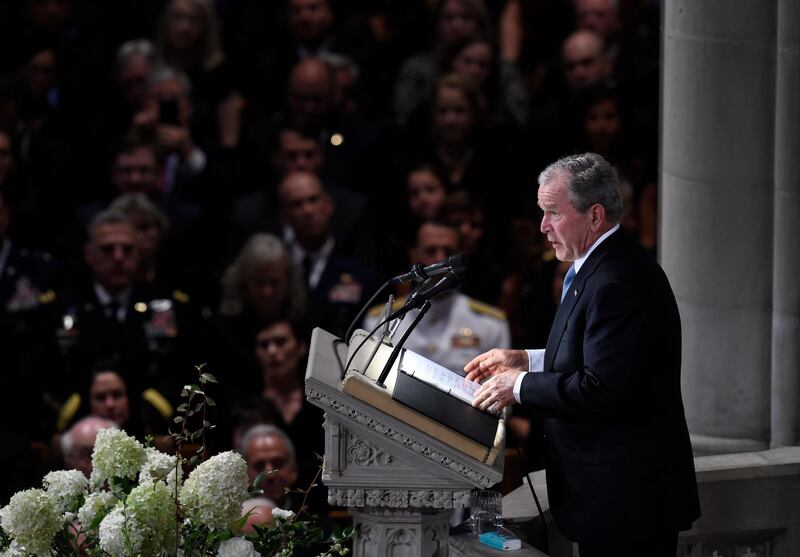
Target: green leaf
208, 377
177, 419
210, 401
182, 407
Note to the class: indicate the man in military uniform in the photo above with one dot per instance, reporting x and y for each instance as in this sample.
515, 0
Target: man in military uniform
456, 328
337, 285
109, 316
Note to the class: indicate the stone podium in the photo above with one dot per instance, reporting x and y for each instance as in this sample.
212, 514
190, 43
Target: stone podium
400, 483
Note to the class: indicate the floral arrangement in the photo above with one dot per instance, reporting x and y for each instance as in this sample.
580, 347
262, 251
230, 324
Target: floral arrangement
137, 502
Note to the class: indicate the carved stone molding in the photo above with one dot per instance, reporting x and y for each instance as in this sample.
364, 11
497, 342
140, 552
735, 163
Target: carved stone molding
398, 436
363, 453
398, 498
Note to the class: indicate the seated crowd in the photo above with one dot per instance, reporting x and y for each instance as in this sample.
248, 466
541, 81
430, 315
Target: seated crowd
191, 183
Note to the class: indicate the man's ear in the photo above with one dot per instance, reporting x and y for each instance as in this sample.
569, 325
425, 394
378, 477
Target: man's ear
597, 215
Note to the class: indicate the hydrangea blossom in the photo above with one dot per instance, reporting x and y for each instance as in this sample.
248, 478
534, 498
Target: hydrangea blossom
151, 508
96, 506
14, 550
67, 488
159, 466
116, 455
237, 547
118, 535
214, 492
32, 519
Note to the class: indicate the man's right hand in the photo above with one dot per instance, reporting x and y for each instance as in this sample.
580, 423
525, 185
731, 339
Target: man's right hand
496, 361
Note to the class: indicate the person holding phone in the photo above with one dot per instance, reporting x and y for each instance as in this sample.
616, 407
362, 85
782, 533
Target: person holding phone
165, 120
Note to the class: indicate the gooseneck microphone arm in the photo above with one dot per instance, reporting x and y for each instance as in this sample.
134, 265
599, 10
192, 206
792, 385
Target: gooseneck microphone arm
421, 297
396, 350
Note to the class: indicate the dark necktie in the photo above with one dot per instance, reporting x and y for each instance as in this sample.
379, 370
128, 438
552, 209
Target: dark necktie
111, 310
308, 266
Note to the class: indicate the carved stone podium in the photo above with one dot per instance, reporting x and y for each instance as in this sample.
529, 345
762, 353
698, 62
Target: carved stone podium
400, 483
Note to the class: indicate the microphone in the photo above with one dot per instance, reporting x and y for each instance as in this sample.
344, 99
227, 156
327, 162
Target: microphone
418, 273
450, 281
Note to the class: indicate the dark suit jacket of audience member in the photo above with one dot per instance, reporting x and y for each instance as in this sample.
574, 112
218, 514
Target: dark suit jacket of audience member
617, 451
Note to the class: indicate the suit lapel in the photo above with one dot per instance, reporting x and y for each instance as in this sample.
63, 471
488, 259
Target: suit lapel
572, 296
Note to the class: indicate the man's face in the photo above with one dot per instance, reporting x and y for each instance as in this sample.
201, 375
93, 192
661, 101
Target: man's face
309, 20
135, 171
267, 287
269, 453
108, 398
278, 349
40, 73
306, 207
452, 115
111, 255
310, 93
598, 16
79, 457
131, 80
566, 229
297, 154
426, 194
434, 243
584, 60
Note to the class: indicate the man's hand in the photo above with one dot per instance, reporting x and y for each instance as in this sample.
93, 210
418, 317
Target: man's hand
496, 361
497, 393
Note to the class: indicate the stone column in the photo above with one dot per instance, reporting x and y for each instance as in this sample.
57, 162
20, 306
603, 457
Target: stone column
786, 267
716, 205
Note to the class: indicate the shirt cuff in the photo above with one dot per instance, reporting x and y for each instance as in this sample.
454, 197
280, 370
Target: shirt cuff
536, 360
518, 386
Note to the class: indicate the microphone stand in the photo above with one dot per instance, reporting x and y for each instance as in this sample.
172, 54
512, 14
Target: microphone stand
396, 350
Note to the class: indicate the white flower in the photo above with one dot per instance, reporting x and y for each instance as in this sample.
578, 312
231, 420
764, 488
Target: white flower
14, 550
95, 507
116, 455
151, 509
214, 492
118, 535
67, 488
32, 519
237, 547
159, 466
281, 513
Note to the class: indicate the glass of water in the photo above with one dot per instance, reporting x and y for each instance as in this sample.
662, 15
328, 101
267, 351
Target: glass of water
486, 510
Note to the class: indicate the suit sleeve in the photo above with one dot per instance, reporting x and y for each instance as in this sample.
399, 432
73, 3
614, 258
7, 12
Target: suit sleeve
610, 378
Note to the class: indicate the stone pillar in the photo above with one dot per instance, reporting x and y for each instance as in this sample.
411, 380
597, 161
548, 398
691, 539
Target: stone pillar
786, 267
716, 206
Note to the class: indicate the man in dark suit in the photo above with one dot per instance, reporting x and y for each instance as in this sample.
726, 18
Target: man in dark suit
620, 473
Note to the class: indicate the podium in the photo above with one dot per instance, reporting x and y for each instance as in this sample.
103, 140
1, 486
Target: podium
400, 472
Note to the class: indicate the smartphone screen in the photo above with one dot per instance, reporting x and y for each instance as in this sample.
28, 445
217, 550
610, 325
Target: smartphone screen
168, 112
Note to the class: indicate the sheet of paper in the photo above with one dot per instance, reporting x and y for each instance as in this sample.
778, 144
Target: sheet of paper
439, 376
